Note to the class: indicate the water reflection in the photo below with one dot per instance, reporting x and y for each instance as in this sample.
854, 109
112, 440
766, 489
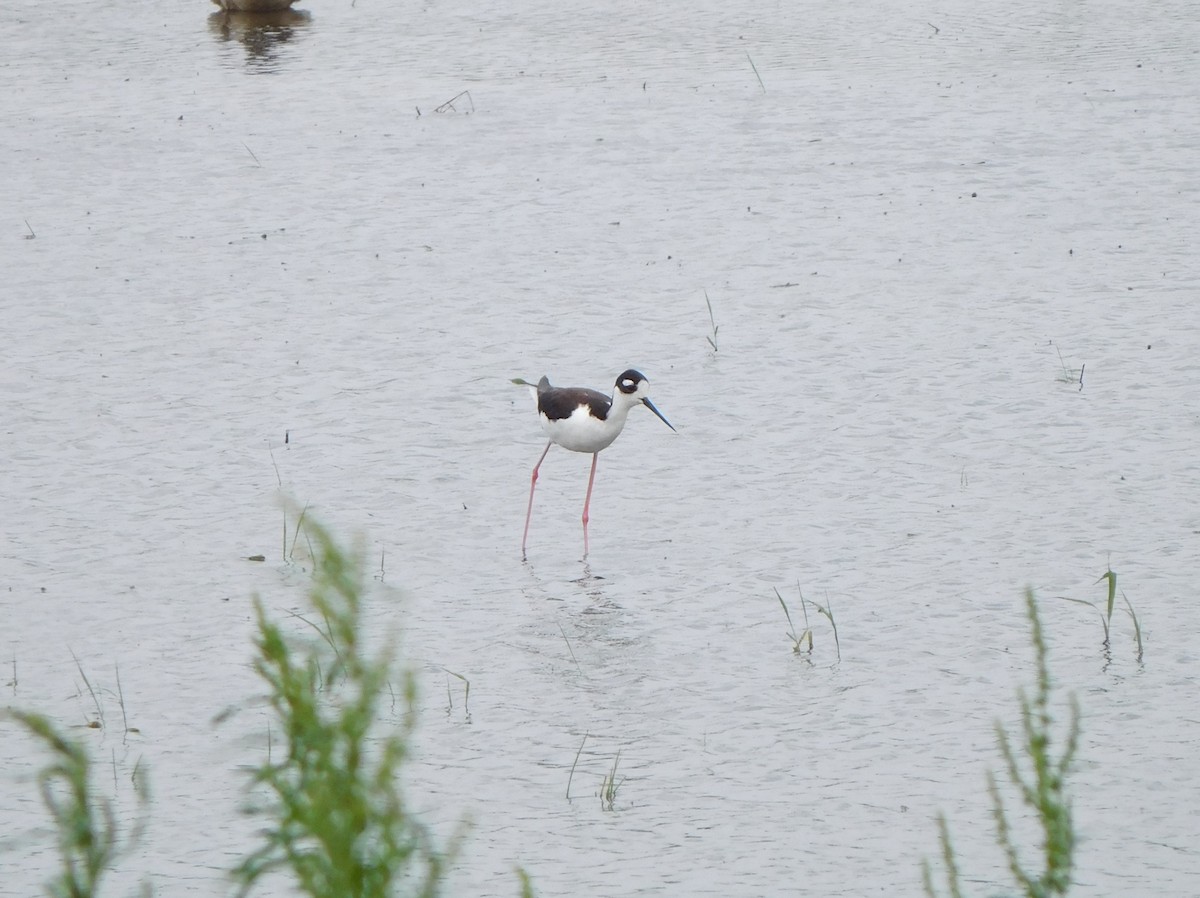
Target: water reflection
591, 585
261, 33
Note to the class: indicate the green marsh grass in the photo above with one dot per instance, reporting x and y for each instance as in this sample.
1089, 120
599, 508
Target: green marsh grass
334, 816
526, 883
89, 839
949, 859
289, 554
332, 813
1067, 374
283, 550
798, 642
1109, 578
1137, 627
1039, 777
610, 785
827, 610
569, 649
574, 763
449, 106
121, 703
466, 693
756, 75
712, 321
98, 722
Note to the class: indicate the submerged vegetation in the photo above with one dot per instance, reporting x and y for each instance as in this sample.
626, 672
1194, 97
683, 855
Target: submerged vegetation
1039, 778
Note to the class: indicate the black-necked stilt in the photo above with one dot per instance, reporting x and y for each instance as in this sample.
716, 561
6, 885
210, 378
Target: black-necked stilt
584, 420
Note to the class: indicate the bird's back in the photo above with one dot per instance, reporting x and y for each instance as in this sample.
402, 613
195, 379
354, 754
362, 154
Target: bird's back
557, 403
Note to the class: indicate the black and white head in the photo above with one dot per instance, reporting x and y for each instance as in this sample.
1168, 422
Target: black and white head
633, 388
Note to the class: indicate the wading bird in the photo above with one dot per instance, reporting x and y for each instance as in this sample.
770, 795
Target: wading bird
584, 420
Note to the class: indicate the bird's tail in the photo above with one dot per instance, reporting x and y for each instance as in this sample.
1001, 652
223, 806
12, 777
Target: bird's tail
534, 389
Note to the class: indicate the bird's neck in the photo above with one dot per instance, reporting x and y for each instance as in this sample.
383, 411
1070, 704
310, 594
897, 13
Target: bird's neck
619, 409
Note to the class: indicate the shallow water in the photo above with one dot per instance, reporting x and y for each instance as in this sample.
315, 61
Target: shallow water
241, 230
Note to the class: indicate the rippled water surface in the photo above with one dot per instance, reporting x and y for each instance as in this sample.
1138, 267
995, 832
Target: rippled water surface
951, 252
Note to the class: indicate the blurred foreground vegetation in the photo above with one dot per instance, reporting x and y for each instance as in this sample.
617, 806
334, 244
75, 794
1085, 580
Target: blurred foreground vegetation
335, 821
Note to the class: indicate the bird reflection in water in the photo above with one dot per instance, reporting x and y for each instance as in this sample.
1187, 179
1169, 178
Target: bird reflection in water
261, 26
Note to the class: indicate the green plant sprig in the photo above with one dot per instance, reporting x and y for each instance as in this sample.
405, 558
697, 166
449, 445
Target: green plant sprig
610, 785
86, 826
336, 818
1043, 788
712, 321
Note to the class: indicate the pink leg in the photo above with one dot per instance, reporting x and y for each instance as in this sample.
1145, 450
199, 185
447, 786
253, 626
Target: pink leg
588, 501
529, 510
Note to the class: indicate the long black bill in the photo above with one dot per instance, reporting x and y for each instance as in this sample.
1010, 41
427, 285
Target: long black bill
650, 405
